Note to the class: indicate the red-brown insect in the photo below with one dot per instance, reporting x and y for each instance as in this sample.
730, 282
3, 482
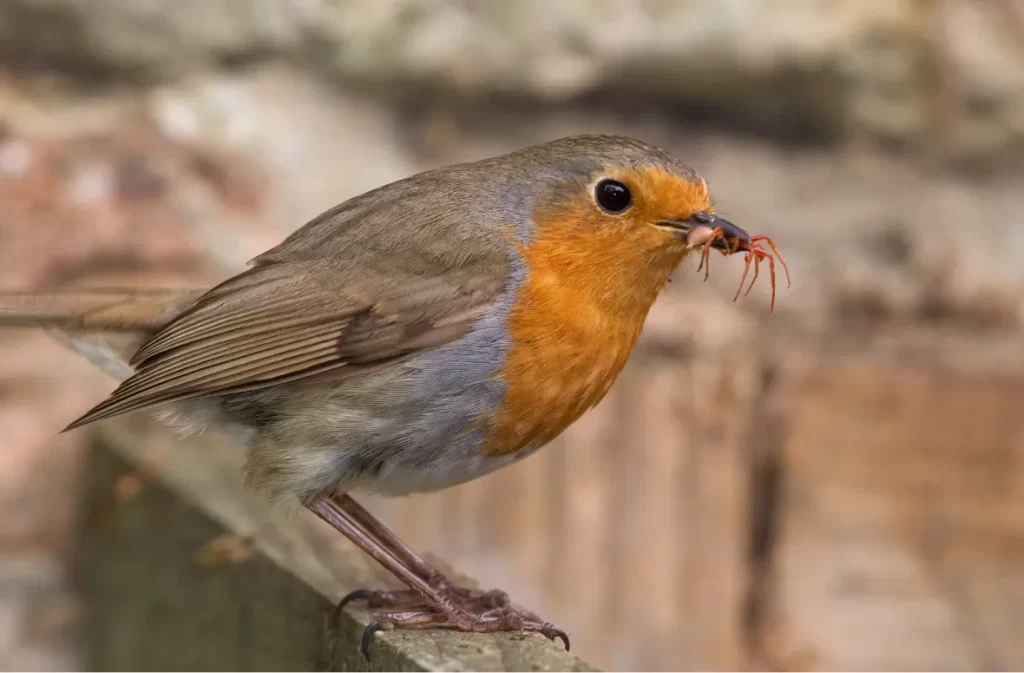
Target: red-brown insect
731, 244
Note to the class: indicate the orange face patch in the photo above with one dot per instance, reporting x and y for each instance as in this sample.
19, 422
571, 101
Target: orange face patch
592, 280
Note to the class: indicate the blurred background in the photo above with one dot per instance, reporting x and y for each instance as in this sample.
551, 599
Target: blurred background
838, 485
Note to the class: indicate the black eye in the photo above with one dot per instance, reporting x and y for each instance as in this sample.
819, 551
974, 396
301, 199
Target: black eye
613, 196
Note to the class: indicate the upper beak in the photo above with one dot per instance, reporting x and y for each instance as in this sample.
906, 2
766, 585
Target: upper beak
699, 227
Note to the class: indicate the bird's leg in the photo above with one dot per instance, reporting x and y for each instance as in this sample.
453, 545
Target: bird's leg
384, 535
438, 602
416, 563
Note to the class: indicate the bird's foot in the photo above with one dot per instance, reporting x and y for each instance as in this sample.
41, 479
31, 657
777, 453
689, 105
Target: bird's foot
463, 609
408, 599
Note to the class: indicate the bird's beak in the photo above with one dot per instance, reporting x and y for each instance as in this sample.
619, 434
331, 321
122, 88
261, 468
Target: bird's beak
701, 227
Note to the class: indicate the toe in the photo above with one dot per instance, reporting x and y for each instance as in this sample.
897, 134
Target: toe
364, 644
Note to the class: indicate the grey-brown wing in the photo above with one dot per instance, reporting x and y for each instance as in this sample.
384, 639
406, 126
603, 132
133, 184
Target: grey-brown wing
288, 322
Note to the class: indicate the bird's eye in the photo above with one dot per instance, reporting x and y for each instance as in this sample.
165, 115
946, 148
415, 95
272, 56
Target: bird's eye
613, 196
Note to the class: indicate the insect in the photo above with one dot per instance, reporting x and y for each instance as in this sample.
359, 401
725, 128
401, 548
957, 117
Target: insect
729, 239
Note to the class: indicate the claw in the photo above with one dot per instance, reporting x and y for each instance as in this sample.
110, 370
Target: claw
561, 635
357, 595
364, 643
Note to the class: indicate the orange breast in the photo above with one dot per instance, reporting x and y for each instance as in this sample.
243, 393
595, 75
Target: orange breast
576, 320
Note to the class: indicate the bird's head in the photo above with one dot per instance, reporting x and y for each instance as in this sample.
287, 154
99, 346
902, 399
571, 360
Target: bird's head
619, 214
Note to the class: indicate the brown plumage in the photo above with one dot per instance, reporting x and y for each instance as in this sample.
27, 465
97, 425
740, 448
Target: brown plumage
283, 322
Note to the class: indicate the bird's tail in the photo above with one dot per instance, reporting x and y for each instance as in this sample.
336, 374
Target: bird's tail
104, 325
112, 310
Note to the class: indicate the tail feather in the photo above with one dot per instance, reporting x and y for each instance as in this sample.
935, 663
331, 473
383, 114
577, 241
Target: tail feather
104, 326
113, 310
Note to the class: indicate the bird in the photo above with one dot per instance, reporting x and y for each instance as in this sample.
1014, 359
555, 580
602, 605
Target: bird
415, 337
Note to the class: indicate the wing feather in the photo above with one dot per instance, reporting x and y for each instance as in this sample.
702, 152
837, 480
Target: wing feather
290, 321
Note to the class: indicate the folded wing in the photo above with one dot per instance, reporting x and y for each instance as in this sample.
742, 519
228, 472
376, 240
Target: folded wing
291, 321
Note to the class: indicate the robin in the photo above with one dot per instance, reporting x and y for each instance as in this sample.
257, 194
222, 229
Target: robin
415, 337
